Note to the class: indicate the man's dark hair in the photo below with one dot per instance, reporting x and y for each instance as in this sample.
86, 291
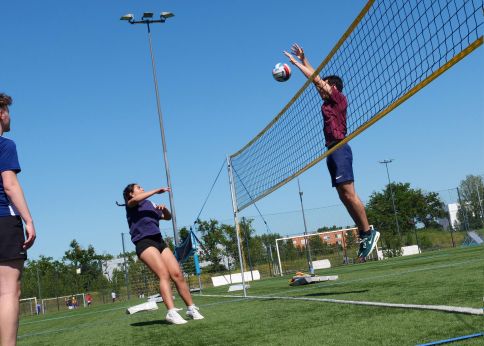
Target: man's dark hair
5, 101
336, 81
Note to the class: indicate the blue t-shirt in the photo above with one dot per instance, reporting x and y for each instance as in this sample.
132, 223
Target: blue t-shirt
143, 220
8, 162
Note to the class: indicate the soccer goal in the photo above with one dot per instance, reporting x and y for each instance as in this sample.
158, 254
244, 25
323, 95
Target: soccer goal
63, 303
28, 306
309, 252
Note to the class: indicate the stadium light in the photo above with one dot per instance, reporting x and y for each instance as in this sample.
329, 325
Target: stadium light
165, 15
128, 17
147, 19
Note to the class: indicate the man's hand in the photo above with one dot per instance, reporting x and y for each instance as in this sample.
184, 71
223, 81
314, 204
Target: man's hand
290, 57
298, 51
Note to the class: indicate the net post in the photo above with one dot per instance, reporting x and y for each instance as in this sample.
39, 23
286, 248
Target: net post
237, 226
279, 258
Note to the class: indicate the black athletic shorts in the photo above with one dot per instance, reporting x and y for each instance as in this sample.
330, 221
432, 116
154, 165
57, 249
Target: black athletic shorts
12, 239
151, 240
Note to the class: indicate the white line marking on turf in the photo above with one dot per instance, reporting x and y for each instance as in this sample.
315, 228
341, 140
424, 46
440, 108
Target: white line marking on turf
444, 308
457, 309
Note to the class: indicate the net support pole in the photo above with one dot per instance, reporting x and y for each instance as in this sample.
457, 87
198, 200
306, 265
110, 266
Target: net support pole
279, 258
237, 226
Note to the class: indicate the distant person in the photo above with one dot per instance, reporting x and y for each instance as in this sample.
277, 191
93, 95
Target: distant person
88, 299
74, 302
113, 296
143, 219
13, 245
339, 162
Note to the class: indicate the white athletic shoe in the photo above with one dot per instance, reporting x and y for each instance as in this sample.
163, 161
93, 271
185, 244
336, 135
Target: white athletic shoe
193, 313
174, 317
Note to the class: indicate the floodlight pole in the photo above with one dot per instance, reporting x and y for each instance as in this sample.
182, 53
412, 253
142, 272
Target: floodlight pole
386, 162
306, 239
160, 117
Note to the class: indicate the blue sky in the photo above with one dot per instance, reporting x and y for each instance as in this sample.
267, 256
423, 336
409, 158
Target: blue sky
85, 121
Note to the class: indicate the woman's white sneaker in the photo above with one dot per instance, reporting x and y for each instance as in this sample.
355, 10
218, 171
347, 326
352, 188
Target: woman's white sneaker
193, 313
174, 317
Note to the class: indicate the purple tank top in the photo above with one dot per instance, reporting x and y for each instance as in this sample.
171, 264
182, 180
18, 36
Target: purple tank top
143, 220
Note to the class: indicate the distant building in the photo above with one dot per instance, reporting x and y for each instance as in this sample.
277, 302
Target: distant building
329, 237
109, 266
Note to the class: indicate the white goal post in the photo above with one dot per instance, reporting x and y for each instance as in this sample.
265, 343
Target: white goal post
301, 241
28, 306
62, 303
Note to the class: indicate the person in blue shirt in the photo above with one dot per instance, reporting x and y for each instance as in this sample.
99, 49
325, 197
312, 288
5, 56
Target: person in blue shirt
13, 245
143, 218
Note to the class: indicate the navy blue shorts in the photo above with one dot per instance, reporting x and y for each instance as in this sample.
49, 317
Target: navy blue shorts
340, 165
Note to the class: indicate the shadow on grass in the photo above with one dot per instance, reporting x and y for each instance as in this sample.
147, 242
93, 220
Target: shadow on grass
333, 293
149, 323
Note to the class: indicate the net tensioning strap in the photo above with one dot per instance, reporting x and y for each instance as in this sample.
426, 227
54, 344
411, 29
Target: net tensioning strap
391, 51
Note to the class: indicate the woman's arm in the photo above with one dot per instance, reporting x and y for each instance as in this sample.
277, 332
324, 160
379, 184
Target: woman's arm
144, 195
15, 194
165, 212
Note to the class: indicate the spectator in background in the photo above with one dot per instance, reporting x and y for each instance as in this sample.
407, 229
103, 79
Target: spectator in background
113, 296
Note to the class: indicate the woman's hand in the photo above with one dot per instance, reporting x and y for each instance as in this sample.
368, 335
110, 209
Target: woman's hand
163, 189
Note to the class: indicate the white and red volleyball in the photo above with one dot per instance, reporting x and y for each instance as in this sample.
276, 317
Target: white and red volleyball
281, 72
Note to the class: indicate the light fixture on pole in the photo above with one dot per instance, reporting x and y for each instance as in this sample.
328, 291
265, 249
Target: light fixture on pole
147, 19
386, 162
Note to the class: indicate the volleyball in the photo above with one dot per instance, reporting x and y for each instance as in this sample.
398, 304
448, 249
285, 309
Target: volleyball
281, 72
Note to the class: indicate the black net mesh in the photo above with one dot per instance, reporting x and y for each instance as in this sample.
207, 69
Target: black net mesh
396, 47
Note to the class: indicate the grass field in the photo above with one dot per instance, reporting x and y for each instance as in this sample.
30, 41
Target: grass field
447, 277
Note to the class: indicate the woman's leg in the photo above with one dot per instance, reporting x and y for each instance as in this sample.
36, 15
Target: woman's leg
10, 273
177, 276
153, 259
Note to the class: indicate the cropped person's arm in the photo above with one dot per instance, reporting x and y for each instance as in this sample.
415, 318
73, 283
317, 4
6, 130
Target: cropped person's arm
15, 194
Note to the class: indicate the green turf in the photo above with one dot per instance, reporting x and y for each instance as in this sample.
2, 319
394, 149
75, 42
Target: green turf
446, 277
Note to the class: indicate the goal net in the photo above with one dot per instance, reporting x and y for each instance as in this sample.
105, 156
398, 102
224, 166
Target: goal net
307, 252
28, 306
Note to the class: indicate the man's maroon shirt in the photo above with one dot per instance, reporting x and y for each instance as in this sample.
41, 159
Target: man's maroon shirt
334, 116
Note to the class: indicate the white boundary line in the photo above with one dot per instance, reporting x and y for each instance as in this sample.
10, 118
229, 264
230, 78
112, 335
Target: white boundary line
444, 308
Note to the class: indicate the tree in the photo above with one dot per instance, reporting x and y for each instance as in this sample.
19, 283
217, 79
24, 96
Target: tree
212, 238
471, 206
413, 207
88, 262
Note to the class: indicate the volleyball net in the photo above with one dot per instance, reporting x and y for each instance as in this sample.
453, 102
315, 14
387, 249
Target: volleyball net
390, 51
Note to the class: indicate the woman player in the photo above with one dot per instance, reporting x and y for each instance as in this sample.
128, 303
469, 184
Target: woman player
143, 219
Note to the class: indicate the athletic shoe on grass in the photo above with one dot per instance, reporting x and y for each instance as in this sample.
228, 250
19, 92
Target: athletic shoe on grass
368, 243
193, 313
174, 317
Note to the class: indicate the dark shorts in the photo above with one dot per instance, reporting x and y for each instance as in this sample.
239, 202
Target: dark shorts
151, 240
340, 165
12, 239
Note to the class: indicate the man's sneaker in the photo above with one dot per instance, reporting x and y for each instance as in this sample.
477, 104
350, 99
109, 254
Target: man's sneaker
368, 243
174, 317
193, 313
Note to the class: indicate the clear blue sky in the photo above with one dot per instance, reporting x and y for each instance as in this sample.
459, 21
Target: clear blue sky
85, 121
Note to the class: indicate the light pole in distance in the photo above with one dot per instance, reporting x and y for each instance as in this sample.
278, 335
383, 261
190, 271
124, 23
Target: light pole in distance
386, 162
147, 19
